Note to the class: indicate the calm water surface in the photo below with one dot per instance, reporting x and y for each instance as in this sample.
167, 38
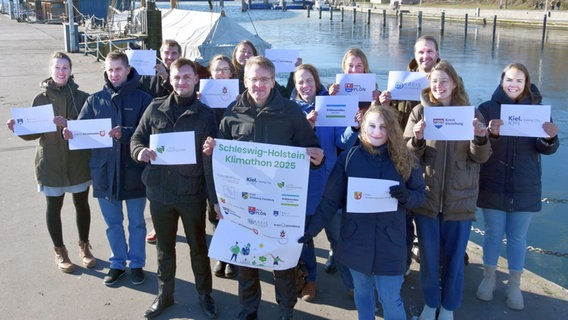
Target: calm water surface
323, 43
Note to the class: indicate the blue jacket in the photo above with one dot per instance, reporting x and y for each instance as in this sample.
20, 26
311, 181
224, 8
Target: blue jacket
511, 179
371, 243
116, 176
330, 139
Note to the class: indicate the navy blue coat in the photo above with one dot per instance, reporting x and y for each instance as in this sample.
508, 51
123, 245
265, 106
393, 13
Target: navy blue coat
370, 243
116, 176
511, 179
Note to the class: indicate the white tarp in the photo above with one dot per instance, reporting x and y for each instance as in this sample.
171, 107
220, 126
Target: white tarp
205, 34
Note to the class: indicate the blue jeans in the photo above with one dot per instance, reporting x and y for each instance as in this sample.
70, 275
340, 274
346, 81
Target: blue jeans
135, 249
442, 243
516, 226
388, 288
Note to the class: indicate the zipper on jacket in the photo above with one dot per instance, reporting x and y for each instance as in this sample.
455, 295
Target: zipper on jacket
443, 187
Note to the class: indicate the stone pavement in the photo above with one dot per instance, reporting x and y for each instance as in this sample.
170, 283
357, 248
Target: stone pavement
33, 288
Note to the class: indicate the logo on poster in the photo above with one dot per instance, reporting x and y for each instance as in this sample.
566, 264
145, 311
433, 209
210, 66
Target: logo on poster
438, 122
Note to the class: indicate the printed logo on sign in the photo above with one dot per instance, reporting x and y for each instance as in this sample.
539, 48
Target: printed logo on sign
102, 133
245, 195
257, 211
438, 123
357, 195
276, 213
280, 184
348, 87
399, 85
254, 181
20, 121
161, 149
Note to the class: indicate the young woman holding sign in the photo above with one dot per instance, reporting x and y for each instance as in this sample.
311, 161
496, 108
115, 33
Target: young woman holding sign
510, 183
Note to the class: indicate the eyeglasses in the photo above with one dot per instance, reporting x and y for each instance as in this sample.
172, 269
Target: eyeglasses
223, 70
262, 81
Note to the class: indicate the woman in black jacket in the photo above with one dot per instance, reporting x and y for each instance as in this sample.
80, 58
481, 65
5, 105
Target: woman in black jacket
510, 183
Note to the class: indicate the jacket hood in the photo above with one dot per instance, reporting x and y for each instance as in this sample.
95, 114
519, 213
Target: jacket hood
501, 97
425, 98
132, 82
48, 83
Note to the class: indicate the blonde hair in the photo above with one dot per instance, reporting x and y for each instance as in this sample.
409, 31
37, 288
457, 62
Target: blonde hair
356, 52
403, 159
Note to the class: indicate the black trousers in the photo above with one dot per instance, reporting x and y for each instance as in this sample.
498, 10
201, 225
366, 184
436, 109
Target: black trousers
250, 293
82, 216
165, 218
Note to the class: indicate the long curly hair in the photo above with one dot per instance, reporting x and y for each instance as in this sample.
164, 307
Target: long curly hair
403, 159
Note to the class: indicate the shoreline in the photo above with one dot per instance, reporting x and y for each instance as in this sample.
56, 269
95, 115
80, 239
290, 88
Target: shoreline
480, 16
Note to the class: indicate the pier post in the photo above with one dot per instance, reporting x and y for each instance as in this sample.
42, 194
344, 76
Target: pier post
466, 25
342, 13
330, 13
477, 12
384, 17
319, 13
354, 15
309, 11
400, 20
368, 16
442, 22
419, 20
494, 30
543, 31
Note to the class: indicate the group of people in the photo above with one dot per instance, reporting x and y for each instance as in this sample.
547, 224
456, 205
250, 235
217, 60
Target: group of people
553, 3
440, 183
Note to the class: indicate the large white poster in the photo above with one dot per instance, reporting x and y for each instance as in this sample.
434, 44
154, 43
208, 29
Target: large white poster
262, 191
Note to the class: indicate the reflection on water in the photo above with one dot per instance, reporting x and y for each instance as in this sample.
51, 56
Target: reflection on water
323, 43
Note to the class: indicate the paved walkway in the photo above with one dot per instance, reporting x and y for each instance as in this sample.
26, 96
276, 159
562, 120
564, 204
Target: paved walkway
33, 288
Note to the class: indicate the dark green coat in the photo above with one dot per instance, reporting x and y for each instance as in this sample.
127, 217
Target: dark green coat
55, 164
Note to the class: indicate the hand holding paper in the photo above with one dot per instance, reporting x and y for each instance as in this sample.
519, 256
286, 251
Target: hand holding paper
400, 193
551, 129
146, 155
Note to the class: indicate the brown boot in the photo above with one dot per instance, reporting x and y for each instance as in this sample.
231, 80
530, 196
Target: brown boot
62, 260
86, 255
309, 291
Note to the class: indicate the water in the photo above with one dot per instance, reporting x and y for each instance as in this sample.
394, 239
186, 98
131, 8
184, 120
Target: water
323, 43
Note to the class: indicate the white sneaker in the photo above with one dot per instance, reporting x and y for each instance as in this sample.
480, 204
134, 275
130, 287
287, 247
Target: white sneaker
428, 313
445, 314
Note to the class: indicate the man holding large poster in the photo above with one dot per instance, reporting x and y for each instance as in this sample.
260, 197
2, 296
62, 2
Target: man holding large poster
261, 114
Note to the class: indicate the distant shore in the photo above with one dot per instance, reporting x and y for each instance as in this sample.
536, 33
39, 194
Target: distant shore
481, 15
